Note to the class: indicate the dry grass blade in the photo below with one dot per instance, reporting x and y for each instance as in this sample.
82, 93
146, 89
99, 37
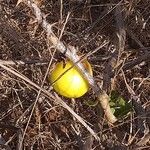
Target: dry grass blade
21, 62
33, 108
137, 61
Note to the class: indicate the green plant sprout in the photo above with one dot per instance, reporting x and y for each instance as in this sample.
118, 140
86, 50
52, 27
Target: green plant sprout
119, 106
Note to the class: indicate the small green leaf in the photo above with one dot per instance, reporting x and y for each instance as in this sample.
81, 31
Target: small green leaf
121, 101
111, 104
113, 110
119, 105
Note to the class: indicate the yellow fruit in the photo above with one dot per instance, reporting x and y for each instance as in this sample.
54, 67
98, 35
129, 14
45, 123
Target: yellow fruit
69, 83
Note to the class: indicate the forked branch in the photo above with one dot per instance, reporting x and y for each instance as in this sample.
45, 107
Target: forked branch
102, 96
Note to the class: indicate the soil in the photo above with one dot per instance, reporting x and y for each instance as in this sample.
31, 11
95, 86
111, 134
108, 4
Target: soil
29, 119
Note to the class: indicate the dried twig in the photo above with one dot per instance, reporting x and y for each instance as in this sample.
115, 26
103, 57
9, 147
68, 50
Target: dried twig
141, 121
131, 64
134, 37
23, 62
144, 140
73, 57
121, 29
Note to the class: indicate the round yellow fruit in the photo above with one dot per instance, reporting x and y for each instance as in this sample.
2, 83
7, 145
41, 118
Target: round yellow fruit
69, 82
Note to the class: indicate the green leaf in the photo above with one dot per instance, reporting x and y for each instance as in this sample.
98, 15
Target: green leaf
120, 107
113, 110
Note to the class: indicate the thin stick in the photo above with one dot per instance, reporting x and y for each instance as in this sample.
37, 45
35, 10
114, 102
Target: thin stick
22, 62
61, 10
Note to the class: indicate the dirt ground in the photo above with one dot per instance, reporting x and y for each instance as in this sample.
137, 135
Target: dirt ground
32, 120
